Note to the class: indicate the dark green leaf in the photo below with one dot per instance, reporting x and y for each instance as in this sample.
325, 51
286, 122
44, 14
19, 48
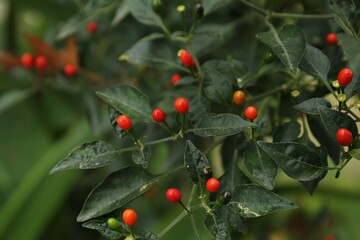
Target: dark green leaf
296, 160
351, 48
217, 86
195, 162
145, 235
116, 190
236, 221
10, 98
128, 100
316, 64
150, 51
310, 106
89, 155
213, 5
288, 44
211, 36
260, 166
143, 12
287, 132
101, 226
345, 9
320, 133
224, 124
216, 224
141, 156
254, 201
355, 153
333, 120
185, 81
121, 12
113, 114
322, 153
90, 6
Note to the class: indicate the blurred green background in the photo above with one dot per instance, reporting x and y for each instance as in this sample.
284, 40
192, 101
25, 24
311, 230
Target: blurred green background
39, 128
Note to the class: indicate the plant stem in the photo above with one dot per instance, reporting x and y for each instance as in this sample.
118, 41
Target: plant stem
172, 224
268, 93
165, 29
270, 14
193, 224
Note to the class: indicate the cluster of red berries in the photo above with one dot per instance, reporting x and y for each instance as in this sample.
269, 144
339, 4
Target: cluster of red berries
181, 105
40, 62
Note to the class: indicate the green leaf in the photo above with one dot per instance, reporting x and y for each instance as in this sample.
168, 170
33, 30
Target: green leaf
224, 124
236, 221
288, 44
113, 115
142, 156
195, 162
217, 86
252, 201
345, 10
150, 51
143, 12
355, 153
298, 161
186, 80
260, 166
351, 48
320, 133
310, 106
128, 100
121, 12
287, 132
216, 224
116, 190
145, 235
90, 6
89, 155
213, 5
333, 120
101, 227
316, 64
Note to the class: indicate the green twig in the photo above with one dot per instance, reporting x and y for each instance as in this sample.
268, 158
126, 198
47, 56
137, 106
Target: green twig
268, 14
172, 224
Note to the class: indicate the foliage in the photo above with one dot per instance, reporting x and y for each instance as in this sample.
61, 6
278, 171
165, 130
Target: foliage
300, 104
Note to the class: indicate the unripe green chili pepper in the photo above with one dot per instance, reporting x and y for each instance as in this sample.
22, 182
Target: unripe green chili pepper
268, 57
158, 6
198, 11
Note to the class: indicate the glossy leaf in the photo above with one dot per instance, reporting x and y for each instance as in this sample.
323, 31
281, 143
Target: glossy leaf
145, 235
355, 153
225, 124
333, 120
345, 10
89, 155
143, 12
141, 157
128, 100
287, 132
236, 221
150, 51
321, 134
252, 201
213, 5
216, 224
351, 48
217, 74
195, 161
113, 114
310, 106
288, 44
296, 160
260, 166
317, 64
101, 227
116, 190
